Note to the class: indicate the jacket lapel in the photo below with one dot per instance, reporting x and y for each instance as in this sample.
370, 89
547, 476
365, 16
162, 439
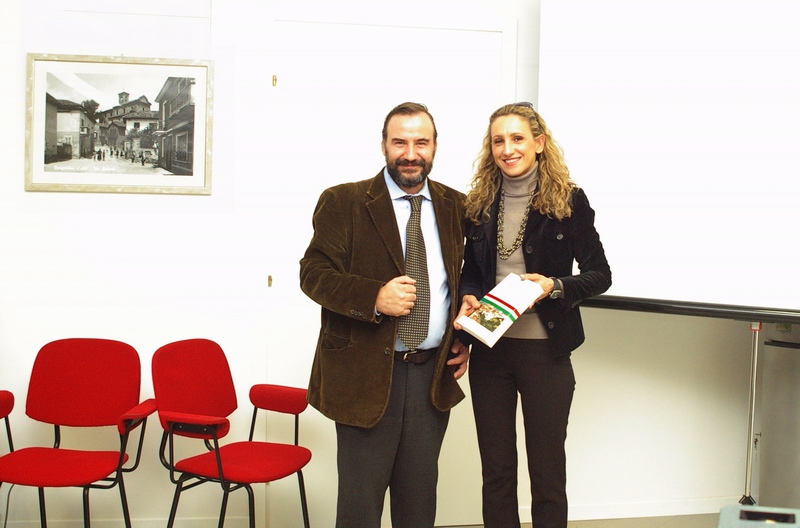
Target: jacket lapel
444, 210
380, 208
490, 235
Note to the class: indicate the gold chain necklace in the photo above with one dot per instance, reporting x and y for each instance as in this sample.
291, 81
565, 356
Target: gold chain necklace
502, 251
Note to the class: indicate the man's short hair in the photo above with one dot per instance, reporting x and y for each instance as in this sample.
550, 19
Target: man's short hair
409, 109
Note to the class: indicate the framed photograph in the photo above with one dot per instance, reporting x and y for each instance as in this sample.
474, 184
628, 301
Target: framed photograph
118, 125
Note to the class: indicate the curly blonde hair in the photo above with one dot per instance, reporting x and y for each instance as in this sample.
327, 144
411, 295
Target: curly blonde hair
554, 188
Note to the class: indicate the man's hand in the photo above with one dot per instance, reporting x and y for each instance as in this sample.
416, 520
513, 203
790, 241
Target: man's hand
397, 297
461, 358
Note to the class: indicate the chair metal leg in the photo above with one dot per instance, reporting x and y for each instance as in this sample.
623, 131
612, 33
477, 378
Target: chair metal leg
303, 502
174, 509
86, 522
251, 502
126, 514
223, 507
42, 512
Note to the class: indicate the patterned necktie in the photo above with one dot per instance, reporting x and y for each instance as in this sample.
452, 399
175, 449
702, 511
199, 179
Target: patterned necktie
413, 328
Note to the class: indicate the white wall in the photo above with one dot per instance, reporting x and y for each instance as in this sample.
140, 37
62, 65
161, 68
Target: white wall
660, 410
659, 423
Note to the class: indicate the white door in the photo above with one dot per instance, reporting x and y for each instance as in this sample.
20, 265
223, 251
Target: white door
312, 92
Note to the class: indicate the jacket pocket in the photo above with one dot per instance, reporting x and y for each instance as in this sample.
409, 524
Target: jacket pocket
333, 341
476, 246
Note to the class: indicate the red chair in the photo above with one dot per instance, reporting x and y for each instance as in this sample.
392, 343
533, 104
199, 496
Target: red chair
80, 383
195, 394
6, 406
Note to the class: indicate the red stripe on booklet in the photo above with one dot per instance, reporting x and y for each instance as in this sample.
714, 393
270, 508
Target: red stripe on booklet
502, 302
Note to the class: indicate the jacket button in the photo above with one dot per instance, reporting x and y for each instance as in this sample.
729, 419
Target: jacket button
560, 236
550, 325
529, 250
386, 351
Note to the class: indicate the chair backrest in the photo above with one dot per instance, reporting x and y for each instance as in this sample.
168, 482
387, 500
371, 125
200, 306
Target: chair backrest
279, 398
193, 377
6, 406
83, 382
6, 403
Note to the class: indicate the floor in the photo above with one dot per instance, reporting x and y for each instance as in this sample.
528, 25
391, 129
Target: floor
681, 521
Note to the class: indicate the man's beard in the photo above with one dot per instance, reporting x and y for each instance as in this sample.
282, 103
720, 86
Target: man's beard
407, 183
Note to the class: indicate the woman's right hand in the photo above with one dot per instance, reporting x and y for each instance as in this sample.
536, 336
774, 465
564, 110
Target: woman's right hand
469, 303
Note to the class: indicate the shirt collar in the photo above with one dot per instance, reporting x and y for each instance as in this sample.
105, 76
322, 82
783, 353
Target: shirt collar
395, 192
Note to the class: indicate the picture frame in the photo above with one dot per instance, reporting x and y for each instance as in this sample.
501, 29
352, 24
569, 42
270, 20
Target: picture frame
118, 125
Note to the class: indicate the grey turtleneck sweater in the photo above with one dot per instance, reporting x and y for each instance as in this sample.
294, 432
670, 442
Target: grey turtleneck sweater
517, 194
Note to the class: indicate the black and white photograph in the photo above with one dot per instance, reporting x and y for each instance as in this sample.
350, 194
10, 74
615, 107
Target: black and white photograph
109, 124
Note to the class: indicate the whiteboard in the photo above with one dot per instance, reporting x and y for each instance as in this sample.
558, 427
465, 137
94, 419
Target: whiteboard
681, 120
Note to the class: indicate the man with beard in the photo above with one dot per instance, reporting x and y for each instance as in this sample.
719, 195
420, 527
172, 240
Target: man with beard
390, 395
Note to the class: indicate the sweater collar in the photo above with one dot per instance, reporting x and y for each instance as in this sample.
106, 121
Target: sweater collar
521, 185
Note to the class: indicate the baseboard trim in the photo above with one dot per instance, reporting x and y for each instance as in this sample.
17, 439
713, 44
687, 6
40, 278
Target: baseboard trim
585, 512
205, 522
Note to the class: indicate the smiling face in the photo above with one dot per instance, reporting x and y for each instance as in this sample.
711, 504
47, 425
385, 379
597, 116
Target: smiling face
513, 146
409, 149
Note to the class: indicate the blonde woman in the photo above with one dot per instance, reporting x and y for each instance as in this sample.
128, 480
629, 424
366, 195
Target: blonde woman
526, 216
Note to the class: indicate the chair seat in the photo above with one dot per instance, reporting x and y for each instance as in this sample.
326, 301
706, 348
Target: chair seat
56, 468
249, 462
